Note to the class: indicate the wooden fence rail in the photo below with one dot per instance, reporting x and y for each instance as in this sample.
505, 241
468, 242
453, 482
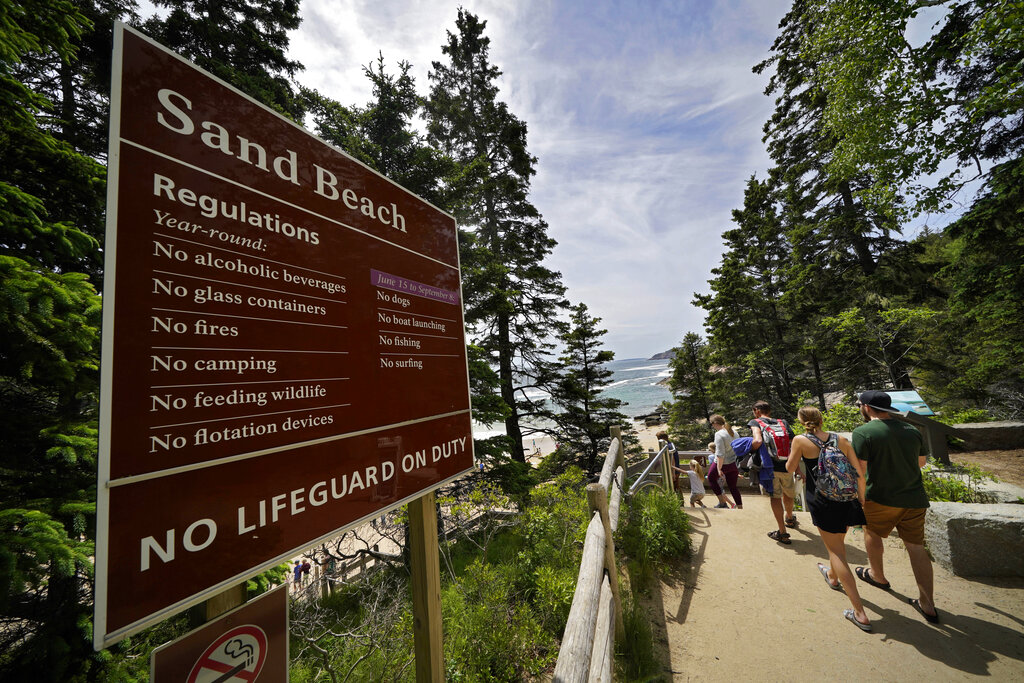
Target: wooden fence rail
595, 617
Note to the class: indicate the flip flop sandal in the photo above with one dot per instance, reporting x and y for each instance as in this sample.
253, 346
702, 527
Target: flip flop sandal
852, 616
781, 538
864, 574
930, 618
824, 572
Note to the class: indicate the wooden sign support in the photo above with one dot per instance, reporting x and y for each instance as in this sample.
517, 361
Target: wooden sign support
425, 563
225, 602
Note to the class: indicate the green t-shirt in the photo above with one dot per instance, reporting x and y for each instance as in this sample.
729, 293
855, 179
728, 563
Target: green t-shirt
891, 449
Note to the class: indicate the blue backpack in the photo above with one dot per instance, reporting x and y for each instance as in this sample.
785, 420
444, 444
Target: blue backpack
836, 477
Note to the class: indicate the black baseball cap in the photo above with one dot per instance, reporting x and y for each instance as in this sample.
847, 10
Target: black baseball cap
879, 400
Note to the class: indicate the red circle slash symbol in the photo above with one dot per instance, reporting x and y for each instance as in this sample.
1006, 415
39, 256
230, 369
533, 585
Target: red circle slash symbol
235, 657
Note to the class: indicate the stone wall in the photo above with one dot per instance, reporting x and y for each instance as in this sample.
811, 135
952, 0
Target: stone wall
981, 540
991, 436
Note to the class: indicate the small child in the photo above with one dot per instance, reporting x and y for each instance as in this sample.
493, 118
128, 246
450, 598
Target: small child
696, 476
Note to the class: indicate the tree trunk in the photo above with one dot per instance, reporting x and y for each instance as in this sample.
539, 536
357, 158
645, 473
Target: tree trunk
817, 382
508, 392
860, 245
68, 102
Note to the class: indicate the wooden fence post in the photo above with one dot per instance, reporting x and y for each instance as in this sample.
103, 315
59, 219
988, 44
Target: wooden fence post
597, 498
425, 563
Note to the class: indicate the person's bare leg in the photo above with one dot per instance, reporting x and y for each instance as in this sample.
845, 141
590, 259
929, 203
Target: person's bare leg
921, 564
836, 546
875, 549
787, 502
777, 511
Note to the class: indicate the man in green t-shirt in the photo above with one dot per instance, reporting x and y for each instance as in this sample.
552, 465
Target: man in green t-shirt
891, 454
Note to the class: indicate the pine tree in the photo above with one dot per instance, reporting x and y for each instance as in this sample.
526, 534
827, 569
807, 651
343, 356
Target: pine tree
243, 42
750, 333
49, 357
382, 136
512, 299
836, 228
584, 416
987, 295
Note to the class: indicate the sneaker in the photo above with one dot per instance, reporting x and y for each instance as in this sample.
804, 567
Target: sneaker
721, 505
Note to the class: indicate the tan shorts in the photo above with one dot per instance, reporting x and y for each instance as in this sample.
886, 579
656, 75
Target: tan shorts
908, 522
783, 485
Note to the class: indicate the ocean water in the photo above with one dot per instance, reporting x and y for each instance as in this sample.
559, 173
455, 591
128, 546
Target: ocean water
634, 381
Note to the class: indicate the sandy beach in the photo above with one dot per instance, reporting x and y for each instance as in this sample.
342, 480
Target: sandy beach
538, 446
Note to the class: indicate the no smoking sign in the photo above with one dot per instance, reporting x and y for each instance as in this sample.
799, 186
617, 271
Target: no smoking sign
246, 645
237, 655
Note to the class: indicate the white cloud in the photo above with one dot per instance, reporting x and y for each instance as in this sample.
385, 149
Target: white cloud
645, 118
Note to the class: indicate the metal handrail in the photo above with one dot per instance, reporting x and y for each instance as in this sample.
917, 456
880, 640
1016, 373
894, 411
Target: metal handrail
643, 476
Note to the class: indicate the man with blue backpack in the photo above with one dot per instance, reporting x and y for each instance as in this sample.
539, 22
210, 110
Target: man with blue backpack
776, 436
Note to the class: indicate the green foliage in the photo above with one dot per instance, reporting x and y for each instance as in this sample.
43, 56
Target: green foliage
381, 135
511, 298
491, 632
514, 478
691, 436
362, 630
987, 295
956, 484
841, 418
916, 115
505, 597
964, 416
33, 546
261, 583
689, 380
639, 661
583, 414
243, 42
656, 529
50, 214
555, 523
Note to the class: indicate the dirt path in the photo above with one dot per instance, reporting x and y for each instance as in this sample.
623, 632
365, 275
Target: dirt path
750, 608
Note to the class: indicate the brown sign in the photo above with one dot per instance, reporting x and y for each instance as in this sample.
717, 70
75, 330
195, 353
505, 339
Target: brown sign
246, 645
283, 338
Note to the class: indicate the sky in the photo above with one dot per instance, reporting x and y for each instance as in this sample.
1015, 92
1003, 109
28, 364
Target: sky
645, 118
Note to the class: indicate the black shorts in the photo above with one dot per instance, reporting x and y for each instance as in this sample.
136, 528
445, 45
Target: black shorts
835, 516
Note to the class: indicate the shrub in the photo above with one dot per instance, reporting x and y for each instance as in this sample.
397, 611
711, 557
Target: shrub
655, 530
638, 660
491, 633
955, 484
958, 417
842, 418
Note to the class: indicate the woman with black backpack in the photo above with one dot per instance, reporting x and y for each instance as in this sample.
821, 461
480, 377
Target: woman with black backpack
834, 495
